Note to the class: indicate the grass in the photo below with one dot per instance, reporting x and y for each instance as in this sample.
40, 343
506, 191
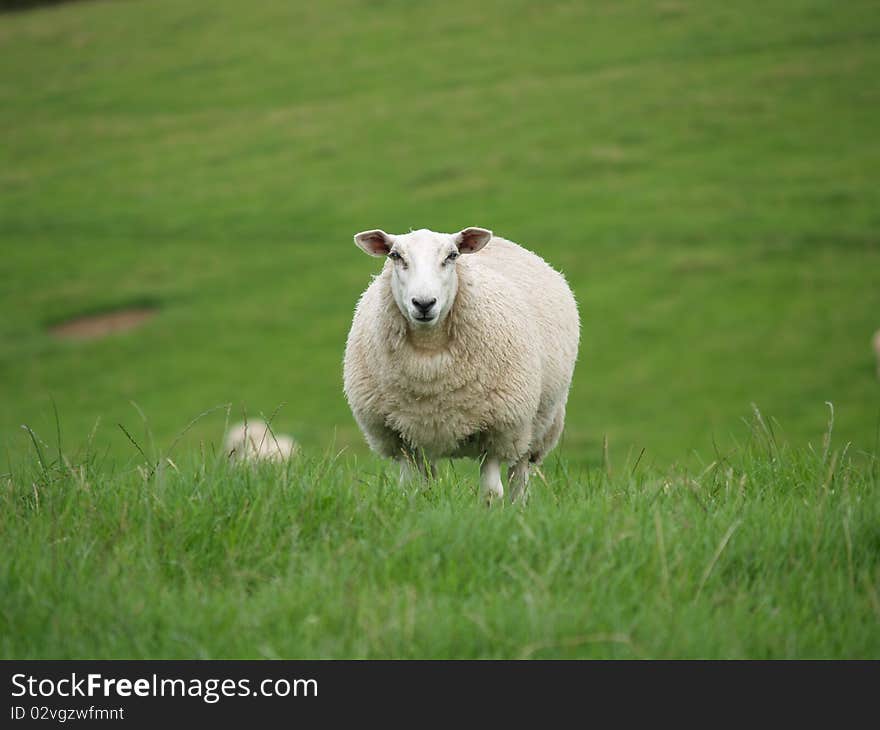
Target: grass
705, 174
767, 552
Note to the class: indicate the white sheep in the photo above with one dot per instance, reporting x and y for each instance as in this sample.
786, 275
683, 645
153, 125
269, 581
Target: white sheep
876, 342
454, 355
253, 439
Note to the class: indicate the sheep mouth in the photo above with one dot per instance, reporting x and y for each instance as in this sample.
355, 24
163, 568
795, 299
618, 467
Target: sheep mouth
424, 319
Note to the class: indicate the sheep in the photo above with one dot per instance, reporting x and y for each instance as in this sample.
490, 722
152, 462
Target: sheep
463, 346
254, 439
876, 342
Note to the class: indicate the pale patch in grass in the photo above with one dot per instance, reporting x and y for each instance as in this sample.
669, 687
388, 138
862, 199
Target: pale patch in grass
104, 324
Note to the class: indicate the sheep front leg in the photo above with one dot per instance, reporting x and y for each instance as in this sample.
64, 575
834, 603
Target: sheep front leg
415, 466
490, 480
518, 478
407, 472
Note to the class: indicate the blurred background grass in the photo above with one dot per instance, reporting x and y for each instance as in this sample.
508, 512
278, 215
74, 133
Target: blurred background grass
705, 174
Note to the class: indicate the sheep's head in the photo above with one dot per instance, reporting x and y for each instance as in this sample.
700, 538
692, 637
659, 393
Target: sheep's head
424, 276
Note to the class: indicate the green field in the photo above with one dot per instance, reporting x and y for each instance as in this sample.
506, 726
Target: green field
771, 554
706, 176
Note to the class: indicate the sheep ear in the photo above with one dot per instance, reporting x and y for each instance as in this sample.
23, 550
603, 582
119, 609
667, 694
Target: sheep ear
375, 243
471, 240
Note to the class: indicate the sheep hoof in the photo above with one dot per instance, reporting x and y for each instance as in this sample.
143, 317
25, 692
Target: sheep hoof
490, 499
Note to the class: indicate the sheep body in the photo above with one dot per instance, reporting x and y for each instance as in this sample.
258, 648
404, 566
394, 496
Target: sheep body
875, 341
254, 440
493, 379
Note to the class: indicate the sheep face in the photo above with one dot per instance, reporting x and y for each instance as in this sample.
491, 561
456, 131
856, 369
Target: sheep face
424, 279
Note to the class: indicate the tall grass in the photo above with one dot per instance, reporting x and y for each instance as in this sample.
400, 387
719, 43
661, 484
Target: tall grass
765, 552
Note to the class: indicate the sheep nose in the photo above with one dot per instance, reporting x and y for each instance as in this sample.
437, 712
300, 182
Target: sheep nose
424, 305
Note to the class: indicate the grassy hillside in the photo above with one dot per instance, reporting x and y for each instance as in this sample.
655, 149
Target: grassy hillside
767, 554
704, 174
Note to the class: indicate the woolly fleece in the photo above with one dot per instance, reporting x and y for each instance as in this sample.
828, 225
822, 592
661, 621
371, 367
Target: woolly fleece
493, 381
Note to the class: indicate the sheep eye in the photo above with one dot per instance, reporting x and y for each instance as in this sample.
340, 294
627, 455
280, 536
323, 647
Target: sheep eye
451, 257
394, 256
